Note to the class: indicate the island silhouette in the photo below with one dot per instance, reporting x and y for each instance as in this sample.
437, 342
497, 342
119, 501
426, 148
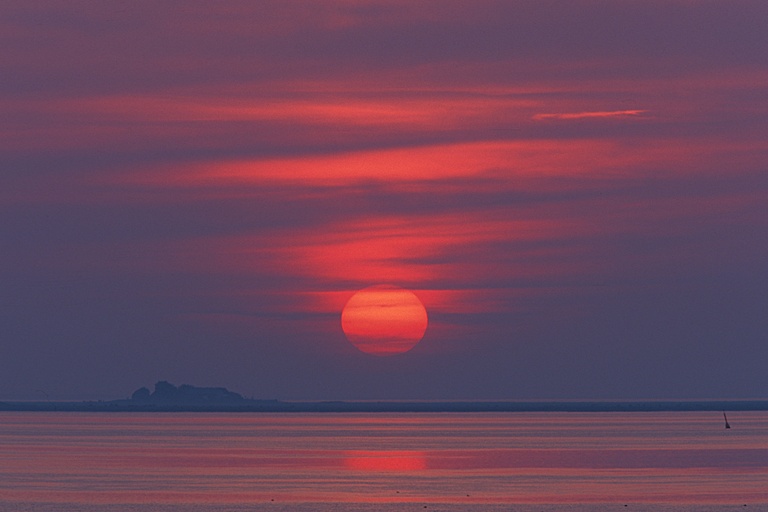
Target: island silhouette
167, 393
167, 397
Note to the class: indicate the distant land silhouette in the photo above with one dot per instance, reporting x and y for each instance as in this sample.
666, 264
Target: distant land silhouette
187, 398
167, 393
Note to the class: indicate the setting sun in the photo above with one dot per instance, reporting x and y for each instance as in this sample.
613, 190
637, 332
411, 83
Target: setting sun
384, 320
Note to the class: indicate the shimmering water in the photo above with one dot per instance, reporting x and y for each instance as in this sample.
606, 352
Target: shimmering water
128, 462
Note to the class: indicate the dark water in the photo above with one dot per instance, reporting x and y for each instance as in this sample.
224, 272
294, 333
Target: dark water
126, 462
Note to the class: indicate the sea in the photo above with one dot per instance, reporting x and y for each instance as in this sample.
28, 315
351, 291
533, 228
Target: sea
343, 462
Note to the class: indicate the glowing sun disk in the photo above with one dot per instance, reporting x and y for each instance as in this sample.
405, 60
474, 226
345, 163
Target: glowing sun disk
384, 320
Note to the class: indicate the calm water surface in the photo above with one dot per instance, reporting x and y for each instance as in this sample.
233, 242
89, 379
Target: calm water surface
126, 462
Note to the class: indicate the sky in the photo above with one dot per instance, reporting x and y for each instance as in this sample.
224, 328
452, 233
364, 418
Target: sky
576, 190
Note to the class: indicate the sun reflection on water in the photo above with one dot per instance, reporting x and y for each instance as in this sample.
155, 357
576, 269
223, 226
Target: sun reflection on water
398, 461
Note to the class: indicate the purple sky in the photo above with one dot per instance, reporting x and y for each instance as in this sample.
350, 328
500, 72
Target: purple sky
576, 190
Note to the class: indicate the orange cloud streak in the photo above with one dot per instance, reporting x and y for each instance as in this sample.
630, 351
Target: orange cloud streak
588, 115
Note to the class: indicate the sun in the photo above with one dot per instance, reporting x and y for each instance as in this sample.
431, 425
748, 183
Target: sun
384, 320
